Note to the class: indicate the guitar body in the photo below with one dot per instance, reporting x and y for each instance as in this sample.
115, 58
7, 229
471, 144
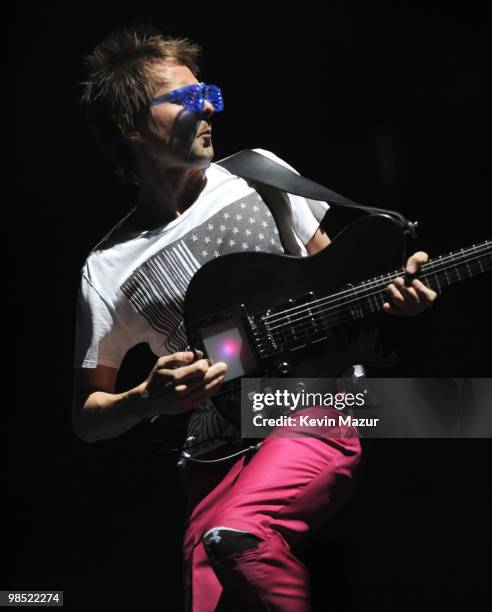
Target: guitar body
251, 284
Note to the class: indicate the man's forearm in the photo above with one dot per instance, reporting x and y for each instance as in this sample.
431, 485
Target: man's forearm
108, 415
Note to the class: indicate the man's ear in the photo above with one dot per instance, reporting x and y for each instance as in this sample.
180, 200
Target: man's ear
134, 136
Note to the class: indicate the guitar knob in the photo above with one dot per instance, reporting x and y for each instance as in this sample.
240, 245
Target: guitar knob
283, 368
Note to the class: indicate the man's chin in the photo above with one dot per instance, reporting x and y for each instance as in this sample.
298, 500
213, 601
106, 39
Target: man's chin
196, 157
201, 156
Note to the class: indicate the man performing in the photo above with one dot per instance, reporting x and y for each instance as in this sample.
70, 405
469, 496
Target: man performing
151, 118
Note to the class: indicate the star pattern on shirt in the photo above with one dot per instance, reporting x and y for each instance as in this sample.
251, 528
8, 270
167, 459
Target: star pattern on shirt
232, 229
157, 288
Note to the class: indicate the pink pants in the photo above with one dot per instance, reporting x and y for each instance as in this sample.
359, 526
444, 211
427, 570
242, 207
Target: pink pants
280, 494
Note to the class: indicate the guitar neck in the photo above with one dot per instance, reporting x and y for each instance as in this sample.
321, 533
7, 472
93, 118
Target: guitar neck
458, 266
310, 322
436, 273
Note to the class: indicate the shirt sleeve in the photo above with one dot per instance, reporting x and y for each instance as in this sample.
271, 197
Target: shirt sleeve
307, 214
99, 337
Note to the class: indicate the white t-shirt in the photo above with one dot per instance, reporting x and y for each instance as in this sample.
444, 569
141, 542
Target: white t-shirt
133, 283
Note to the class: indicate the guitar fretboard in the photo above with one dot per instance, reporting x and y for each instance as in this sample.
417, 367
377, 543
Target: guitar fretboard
437, 273
312, 321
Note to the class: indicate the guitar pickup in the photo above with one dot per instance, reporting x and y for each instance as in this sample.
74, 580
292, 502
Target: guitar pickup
294, 324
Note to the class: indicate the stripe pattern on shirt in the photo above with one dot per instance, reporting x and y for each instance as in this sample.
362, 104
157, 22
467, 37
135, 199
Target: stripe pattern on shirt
157, 288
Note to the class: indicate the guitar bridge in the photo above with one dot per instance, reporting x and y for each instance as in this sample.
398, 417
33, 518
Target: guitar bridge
291, 326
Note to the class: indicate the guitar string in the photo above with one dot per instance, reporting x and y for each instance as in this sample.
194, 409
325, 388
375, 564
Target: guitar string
303, 331
337, 317
341, 308
366, 286
383, 279
291, 321
305, 336
365, 292
331, 321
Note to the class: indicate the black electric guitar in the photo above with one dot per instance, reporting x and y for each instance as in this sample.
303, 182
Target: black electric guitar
269, 315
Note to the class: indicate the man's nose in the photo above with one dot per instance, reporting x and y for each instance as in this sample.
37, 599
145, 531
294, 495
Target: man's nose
208, 109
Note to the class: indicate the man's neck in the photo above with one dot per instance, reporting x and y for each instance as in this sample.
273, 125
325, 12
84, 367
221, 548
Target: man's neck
165, 195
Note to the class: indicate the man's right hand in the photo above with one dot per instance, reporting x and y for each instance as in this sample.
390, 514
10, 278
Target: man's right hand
178, 384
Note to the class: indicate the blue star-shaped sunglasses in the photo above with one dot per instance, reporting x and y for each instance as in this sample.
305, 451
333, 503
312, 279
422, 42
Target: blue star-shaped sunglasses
192, 97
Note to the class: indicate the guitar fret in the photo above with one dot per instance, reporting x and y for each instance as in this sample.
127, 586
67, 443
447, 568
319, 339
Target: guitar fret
381, 298
359, 307
358, 303
438, 273
375, 307
477, 267
367, 298
353, 308
319, 323
429, 280
375, 299
297, 328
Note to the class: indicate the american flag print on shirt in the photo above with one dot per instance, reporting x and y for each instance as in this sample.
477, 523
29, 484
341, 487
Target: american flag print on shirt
157, 288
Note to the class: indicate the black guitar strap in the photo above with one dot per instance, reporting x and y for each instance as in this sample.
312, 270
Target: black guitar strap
277, 202
273, 181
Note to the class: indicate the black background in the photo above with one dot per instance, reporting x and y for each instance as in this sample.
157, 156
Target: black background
387, 103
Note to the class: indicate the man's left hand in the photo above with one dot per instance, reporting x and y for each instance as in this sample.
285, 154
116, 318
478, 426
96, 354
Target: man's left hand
411, 299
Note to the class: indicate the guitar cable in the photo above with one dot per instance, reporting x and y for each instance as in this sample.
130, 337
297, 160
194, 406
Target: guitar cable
184, 456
